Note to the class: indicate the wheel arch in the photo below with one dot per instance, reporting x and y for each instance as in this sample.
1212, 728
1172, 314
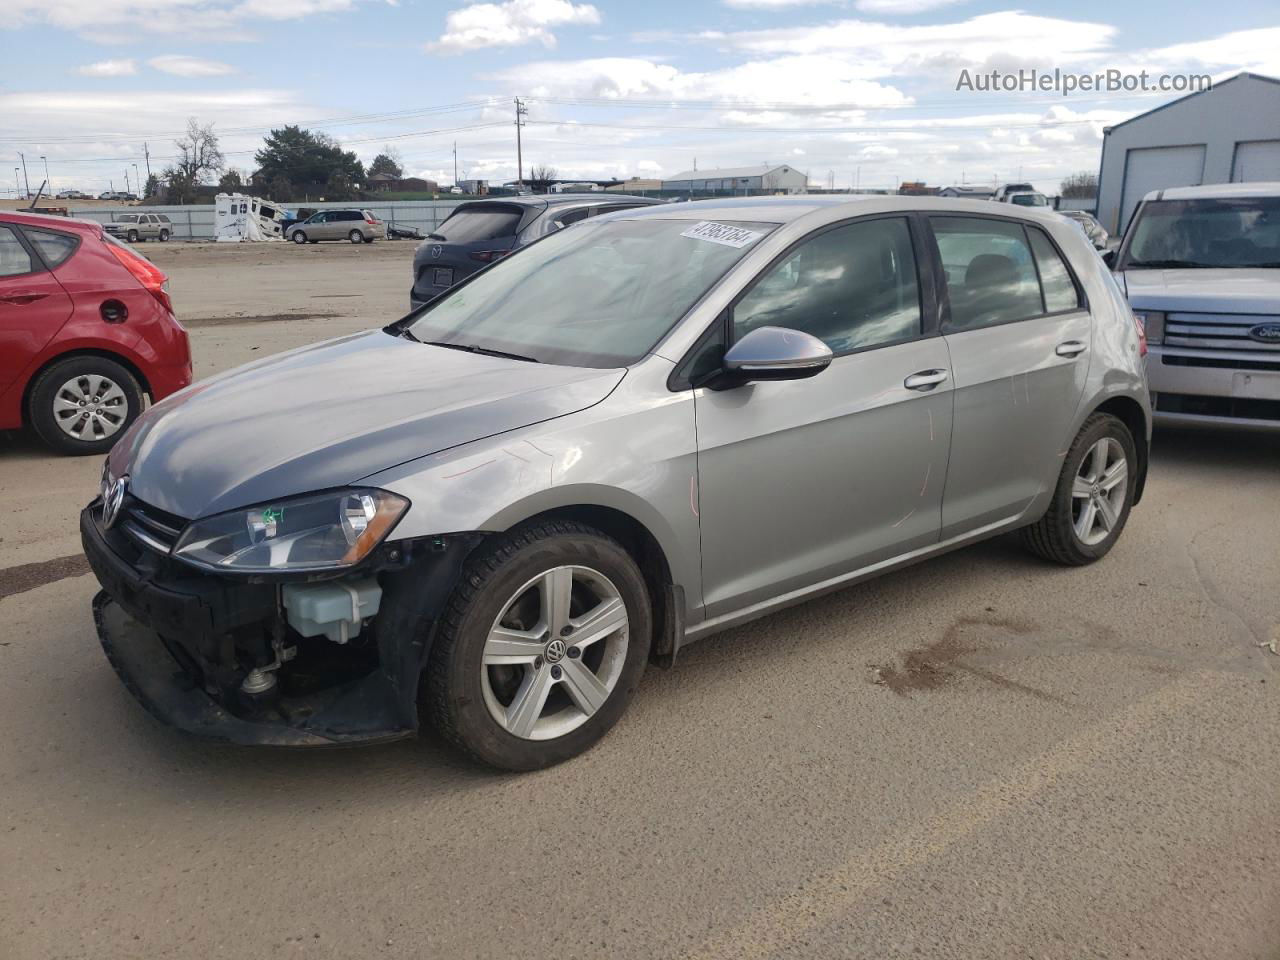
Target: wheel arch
1133, 416
111, 355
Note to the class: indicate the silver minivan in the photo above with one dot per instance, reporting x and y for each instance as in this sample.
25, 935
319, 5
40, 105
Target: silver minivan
356, 226
491, 515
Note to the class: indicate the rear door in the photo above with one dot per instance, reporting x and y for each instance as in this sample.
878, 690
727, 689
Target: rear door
1019, 335
802, 481
33, 305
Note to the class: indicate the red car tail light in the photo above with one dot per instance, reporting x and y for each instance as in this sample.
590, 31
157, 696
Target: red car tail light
145, 272
488, 256
371, 220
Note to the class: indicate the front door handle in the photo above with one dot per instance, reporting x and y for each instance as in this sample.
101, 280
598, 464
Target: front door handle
925, 380
1072, 348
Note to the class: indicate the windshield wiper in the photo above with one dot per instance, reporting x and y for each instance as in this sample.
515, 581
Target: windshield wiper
1168, 264
475, 348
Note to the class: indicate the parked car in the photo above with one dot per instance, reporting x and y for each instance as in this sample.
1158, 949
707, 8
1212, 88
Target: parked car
1003, 192
357, 226
70, 195
137, 227
1201, 269
1028, 198
1091, 227
479, 232
86, 330
635, 433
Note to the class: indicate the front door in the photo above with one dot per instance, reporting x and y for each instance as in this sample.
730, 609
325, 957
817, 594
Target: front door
1019, 335
802, 481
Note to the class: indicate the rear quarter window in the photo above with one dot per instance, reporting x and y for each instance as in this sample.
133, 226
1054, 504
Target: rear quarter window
55, 248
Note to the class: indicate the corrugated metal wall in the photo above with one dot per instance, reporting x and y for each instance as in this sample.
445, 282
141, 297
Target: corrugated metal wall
196, 222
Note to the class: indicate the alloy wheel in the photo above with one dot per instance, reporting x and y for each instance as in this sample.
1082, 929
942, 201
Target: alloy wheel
90, 407
1098, 491
555, 653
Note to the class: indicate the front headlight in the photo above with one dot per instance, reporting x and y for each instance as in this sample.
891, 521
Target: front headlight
316, 532
1153, 323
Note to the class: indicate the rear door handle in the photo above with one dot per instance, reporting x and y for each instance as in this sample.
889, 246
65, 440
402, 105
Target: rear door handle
925, 380
1072, 348
21, 299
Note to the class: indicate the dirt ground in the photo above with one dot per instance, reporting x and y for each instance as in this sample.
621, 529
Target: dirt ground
981, 757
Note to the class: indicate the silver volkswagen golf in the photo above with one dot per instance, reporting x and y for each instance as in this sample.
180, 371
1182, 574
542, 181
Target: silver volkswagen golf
492, 514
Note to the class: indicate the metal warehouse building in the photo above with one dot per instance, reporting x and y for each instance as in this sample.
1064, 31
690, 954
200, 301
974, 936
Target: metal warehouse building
776, 179
1230, 133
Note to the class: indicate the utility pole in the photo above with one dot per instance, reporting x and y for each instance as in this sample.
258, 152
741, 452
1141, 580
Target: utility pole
25, 182
455, 163
521, 112
126, 180
147, 153
137, 179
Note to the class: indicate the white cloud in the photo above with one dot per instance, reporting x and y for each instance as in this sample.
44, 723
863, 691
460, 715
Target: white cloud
902, 7
184, 66
115, 20
109, 68
775, 4
510, 24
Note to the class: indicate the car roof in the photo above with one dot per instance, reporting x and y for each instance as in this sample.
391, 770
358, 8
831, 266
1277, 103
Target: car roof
786, 209
48, 220
552, 199
1217, 191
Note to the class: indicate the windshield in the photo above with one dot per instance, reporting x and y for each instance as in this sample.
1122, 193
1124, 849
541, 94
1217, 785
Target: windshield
599, 295
1206, 233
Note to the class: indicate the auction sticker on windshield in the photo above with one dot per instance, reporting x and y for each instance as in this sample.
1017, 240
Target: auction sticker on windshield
721, 233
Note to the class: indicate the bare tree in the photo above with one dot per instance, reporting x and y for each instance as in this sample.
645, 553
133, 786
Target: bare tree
540, 178
1083, 184
199, 157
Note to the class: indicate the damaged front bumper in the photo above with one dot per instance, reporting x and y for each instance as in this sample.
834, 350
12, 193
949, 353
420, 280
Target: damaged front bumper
184, 642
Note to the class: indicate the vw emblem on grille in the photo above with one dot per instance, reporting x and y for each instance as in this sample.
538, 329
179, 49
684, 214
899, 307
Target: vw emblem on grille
436, 251
1265, 333
113, 501
555, 651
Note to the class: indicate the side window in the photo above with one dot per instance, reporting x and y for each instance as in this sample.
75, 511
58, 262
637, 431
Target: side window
14, 259
1059, 291
351, 215
573, 216
852, 287
54, 247
991, 278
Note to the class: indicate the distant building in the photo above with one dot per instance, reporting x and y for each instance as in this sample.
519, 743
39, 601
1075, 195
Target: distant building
967, 192
475, 187
1229, 134
763, 177
385, 182
635, 185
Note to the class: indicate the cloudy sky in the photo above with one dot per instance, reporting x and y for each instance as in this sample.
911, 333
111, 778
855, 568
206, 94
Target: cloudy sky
847, 90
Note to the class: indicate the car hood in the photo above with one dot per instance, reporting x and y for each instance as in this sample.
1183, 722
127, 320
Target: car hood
1244, 290
328, 415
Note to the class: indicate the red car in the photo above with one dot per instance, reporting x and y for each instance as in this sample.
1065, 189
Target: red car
86, 329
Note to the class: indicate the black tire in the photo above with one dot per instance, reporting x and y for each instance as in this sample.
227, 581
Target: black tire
44, 391
355, 236
1054, 536
133, 236
299, 237
164, 236
452, 693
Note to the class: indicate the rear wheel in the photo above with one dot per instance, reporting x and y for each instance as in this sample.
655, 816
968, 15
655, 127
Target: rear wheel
541, 647
1092, 499
355, 236
82, 405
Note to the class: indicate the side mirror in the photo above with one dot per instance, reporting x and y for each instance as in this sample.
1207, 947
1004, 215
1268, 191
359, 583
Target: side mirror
776, 353
1109, 258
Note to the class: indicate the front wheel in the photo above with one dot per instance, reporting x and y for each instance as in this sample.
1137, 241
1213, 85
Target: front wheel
355, 236
1092, 499
164, 236
541, 647
299, 237
133, 236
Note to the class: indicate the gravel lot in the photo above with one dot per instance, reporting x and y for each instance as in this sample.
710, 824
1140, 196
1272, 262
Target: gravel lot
1054, 764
